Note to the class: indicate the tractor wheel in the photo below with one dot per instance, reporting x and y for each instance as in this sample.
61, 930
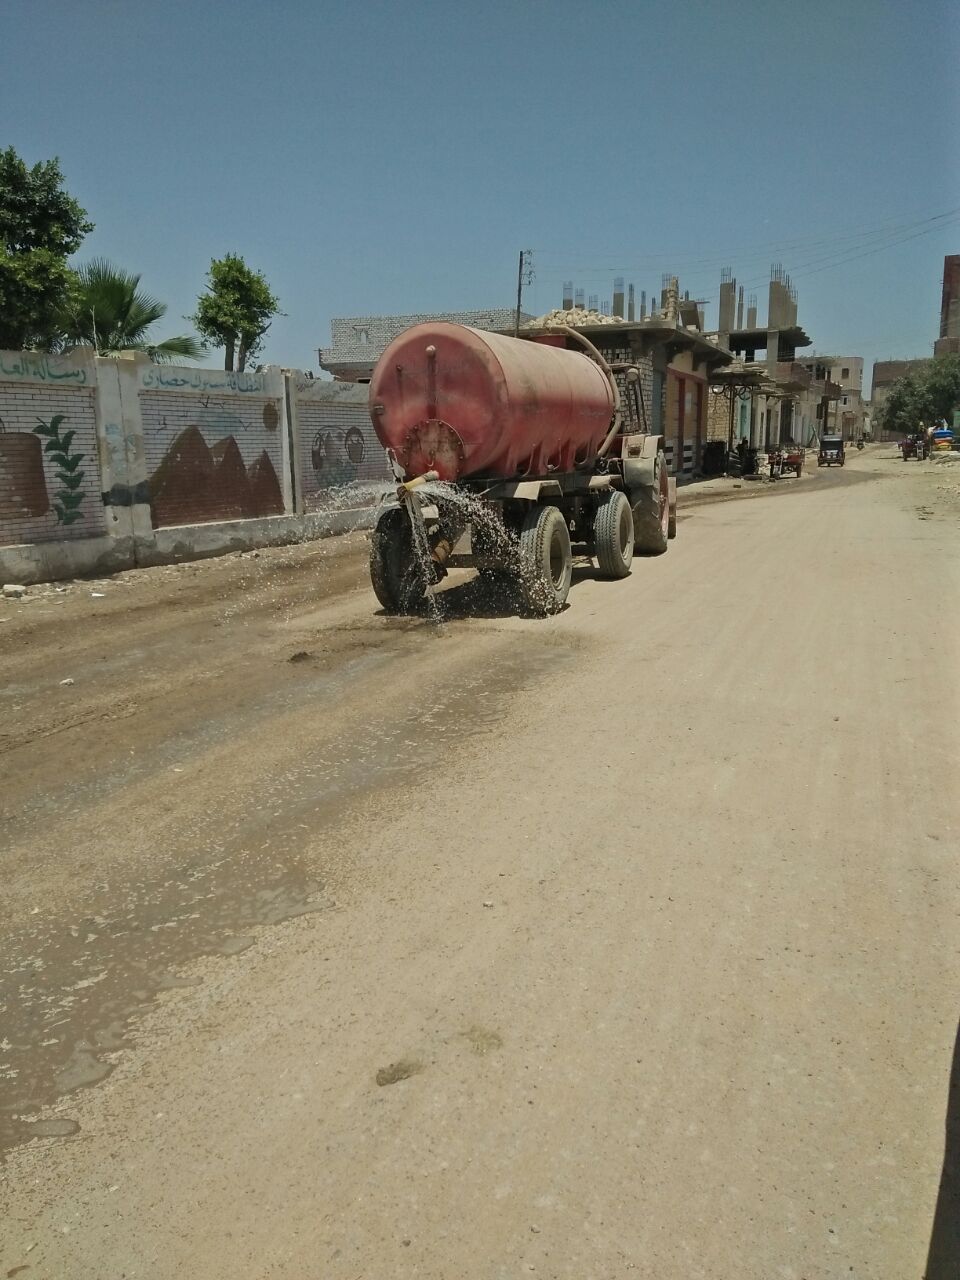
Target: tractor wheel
613, 534
651, 511
546, 561
490, 540
398, 580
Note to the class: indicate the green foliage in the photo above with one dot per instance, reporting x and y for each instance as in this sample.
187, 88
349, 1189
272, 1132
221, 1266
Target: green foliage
235, 311
69, 498
40, 225
107, 311
926, 395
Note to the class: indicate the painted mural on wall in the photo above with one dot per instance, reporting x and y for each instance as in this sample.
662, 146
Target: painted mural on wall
57, 443
211, 458
49, 469
338, 447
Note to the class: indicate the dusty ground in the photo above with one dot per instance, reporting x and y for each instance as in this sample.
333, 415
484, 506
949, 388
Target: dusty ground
620, 943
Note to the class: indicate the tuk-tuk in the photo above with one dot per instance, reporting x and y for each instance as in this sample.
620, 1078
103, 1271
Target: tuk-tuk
831, 452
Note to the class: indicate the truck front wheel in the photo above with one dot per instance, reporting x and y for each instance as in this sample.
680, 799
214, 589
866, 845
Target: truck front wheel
398, 580
546, 561
613, 535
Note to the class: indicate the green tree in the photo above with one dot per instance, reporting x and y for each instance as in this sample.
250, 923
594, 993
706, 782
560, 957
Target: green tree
925, 395
235, 311
40, 226
108, 312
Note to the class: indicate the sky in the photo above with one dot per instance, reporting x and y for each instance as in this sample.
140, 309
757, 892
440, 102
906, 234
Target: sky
394, 157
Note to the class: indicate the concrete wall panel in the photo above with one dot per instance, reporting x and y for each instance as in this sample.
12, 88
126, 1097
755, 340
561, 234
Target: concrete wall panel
50, 481
214, 447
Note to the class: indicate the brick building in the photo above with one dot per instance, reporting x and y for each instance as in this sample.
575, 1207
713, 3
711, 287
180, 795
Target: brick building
675, 361
357, 342
949, 341
777, 397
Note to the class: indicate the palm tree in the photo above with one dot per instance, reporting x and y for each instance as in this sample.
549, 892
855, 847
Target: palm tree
109, 313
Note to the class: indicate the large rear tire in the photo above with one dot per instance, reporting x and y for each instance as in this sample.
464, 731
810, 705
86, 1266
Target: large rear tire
398, 581
613, 535
546, 561
651, 511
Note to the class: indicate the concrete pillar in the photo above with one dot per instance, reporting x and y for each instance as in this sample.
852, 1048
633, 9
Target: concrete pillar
618, 297
727, 294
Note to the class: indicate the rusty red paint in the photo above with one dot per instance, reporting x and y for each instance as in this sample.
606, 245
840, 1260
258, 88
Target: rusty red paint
484, 404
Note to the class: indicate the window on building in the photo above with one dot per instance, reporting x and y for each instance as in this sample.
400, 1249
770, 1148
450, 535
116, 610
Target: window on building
844, 399
844, 373
363, 335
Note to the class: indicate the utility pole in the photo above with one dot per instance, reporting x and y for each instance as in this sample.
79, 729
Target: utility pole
524, 277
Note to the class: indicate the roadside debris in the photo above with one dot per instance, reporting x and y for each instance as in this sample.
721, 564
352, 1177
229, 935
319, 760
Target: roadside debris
575, 318
14, 591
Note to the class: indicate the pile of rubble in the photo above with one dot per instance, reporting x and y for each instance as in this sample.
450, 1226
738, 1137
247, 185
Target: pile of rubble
576, 319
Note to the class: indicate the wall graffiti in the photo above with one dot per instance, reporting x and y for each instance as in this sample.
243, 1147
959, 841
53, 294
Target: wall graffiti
337, 448
39, 368
161, 378
24, 491
69, 497
196, 483
334, 453
211, 459
49, 468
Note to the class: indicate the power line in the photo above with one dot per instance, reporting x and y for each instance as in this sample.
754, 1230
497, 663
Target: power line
775, 248
839, 258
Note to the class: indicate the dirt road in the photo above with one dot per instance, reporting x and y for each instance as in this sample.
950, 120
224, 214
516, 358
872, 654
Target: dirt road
620, 943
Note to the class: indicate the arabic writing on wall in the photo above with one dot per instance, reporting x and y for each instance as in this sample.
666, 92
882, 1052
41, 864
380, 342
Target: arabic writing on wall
40, 368
160, 378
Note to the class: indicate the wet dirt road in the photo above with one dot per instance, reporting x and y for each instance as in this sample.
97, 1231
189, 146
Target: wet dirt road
620, 943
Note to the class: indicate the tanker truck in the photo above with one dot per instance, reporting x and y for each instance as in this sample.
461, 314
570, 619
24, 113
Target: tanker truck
531, 445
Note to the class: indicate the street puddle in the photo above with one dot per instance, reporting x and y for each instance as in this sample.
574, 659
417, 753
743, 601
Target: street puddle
398, 1071
482, 1041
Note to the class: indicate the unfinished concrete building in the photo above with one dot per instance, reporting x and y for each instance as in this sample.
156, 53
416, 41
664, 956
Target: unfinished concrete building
780, 398
675, 358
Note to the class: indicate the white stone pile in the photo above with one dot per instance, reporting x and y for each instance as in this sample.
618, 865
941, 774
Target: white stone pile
576, 319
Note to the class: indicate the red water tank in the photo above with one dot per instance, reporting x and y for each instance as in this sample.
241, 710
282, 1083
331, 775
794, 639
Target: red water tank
463, 402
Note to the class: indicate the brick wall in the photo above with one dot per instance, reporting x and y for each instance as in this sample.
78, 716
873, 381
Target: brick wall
359, 341
718, 416
336, 443
211, 456
623, 355
50, 486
